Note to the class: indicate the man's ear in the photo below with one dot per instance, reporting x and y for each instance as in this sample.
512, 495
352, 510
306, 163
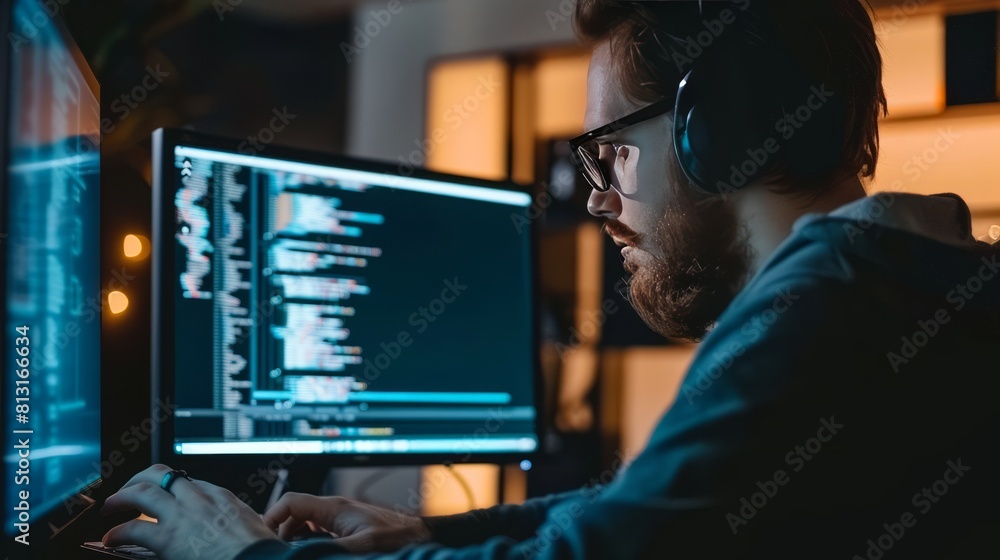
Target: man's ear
626, 168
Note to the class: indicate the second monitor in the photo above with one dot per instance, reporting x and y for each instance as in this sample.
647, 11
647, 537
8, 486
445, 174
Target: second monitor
313, 305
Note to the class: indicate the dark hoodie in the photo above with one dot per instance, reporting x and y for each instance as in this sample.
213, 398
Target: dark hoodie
844, 406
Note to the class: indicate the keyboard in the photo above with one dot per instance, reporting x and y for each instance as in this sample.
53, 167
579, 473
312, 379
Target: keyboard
135, 551
124, 551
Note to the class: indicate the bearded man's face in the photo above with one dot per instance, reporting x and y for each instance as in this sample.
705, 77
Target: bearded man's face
687, 252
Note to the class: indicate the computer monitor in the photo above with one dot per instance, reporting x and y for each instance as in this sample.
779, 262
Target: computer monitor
333, 311
50, 307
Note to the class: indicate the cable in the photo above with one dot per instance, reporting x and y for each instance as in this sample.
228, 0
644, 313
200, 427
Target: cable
464, 484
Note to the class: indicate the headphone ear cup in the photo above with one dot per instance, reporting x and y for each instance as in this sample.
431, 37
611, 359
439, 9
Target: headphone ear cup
707, 130
691, 138
699, 135
730, 106
692, 146
725, 113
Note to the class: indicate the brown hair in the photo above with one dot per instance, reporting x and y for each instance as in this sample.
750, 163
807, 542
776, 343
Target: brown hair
833, 41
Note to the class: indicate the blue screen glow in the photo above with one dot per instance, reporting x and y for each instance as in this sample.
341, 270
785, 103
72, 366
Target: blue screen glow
52, 260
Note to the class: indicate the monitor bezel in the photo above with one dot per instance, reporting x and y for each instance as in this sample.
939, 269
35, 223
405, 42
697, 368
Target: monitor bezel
48, 524
162, 344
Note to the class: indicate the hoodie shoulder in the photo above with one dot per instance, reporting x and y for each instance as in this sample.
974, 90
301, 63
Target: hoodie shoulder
894, 245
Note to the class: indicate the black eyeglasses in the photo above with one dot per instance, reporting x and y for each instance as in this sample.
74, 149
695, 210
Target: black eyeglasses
586, 148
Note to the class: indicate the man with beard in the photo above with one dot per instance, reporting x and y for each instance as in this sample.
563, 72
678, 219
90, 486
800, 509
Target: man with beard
841, 402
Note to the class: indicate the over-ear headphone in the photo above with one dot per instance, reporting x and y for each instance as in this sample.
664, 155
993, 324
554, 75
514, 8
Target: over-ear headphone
740, 107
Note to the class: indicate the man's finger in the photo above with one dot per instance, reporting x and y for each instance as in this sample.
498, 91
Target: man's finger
300, 506
181, 488
153, 475
290, 527
143, 497
137, 531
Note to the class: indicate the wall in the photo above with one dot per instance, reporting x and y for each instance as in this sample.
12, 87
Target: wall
387, 108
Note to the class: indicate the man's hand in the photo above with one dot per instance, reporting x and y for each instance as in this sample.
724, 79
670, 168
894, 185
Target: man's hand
194, 520
359, 527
